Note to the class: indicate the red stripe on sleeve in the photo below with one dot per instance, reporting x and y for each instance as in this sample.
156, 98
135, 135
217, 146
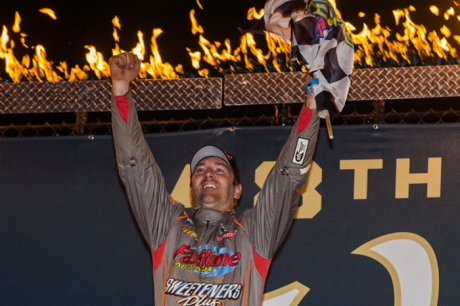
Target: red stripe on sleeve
304, 119
262, 264
157, 255
123, 107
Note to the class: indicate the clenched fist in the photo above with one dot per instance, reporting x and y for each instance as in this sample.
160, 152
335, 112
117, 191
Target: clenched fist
123, 69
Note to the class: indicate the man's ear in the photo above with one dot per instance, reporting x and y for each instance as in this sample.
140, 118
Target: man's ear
238, 191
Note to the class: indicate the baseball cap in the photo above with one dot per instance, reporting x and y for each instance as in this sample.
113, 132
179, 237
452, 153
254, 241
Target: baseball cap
212, 151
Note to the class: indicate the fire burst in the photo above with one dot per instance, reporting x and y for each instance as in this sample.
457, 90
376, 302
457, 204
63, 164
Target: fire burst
373, 46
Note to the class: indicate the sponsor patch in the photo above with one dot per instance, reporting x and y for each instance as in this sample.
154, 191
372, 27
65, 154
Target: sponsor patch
199, 293
208, 261
192, 267
189, 232
226, 235
300, 151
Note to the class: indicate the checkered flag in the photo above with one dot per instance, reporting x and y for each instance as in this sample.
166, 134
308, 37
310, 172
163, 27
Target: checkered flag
320, 41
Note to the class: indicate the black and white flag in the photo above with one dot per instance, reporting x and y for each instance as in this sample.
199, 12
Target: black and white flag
320, 41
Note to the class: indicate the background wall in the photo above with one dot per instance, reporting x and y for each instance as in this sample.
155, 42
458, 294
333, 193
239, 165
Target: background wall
67, 236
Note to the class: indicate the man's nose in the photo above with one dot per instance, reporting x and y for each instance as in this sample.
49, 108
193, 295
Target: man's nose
209, 172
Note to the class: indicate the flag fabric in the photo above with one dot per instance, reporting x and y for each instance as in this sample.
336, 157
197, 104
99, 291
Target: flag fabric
320, 41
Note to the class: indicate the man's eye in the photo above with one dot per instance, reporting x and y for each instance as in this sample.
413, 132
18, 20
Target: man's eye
220, 170
199, 170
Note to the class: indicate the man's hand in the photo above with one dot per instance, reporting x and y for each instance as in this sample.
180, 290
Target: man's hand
310, 99
123, 69
311, 102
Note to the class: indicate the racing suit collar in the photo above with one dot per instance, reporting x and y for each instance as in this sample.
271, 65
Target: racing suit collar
208, 214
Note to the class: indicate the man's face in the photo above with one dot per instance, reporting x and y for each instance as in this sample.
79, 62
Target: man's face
213, 185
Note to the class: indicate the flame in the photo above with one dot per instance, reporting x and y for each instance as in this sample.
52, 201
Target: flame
199, 4
139, 50
12, 65
116, 22
156, 67
448, 13
213, 53
23, 40
196, 58
42, 68
96, 62
204, 72
216, 54
445, 31
116, 25
410, 44
48, 12
253, 14
75, 73
278, 46
414, 38
196, 28
39, 68
435, 10
440, 45
17, 22
250, 44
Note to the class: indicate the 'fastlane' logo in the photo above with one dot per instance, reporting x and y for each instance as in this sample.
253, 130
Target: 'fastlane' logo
300, 151
209, 261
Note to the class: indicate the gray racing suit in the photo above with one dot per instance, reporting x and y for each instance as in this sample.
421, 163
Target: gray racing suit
207, 257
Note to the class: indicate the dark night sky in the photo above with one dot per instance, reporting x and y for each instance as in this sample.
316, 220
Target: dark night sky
81, 23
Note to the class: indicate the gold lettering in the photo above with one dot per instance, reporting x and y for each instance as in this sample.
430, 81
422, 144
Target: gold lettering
404, 178
361, 168
181, 191
185, 266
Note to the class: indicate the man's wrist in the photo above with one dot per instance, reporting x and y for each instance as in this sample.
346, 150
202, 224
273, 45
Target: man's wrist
120, 88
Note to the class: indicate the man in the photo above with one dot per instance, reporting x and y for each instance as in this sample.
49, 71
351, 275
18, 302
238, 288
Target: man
207, 256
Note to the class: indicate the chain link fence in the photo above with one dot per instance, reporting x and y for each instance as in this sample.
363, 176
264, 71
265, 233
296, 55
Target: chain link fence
99, 124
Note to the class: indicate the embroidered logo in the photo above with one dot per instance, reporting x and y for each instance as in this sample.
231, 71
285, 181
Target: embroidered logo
226, 235
300, 151
200, 293
209, 261
189, 232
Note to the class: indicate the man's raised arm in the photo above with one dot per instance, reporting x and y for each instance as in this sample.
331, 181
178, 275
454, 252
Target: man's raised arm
145, 186
269, 221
